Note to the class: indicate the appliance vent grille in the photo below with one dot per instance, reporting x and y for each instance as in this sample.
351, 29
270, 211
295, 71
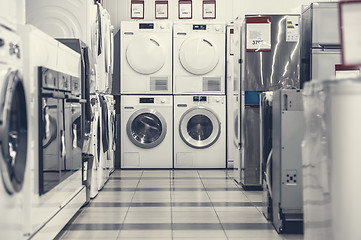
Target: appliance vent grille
159, 84
211, 84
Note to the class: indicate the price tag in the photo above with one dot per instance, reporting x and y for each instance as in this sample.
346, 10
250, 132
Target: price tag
346, 72
137, 9
161, 9
350, 25
258, 34
185, 9
209, 9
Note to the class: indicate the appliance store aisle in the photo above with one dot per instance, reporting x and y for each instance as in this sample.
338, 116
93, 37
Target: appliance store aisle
172, 204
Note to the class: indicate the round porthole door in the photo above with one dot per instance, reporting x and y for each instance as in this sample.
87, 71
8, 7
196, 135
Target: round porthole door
145, 55
198, 55
13, 131
199, 127
146, 128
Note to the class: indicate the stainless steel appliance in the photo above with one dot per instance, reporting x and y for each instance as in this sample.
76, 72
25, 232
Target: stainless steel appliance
288, 128
56, 162
269, 67
320, 41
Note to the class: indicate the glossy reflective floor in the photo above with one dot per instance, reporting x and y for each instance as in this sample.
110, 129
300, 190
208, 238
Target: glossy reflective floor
179, 204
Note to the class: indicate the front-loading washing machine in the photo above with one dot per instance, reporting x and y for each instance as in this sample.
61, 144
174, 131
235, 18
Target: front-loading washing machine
199, 131
112, 132
13, 135
146, 131
146, 57
199, 58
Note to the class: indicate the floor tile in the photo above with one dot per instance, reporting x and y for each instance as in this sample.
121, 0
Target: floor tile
253, 234
199, 234
147, 234
194, 217
90, 235
148, 217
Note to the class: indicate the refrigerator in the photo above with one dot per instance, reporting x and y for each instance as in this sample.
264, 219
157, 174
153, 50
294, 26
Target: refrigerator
331, 159
270, 60
320, 41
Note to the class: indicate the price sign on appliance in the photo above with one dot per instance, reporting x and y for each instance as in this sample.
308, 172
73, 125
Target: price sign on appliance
161, 9
185, 9
209, 9
350, 25
258, 34
137, 9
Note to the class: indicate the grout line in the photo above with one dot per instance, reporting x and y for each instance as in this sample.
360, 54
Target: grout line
213, 206
131, 200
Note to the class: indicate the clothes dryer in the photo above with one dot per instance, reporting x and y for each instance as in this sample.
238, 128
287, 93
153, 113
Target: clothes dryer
146, 57
146, 131
13, 134
199, 131
199, 58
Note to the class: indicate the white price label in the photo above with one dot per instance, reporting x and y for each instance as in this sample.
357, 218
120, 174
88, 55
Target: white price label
185, 10
209, 10
161, 10
258, 37
137, 10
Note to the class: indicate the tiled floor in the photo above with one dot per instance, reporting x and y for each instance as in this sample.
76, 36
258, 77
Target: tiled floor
179, 204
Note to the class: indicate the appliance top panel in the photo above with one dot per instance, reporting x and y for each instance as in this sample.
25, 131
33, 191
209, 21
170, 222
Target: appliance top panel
146, 100
202, 99
199, 28
146, 26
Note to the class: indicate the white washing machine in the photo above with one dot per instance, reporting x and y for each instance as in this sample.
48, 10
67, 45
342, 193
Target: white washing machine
233, 85
146, 57
42, 210
112, 133
199, 131
146, 129
95, 145
199, 58
65, 19
13, 134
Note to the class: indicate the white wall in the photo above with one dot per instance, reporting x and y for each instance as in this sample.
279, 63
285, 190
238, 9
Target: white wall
227, 10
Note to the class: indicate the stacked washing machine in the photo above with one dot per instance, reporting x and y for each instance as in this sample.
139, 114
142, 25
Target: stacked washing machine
199, 95
13, 125
146, 100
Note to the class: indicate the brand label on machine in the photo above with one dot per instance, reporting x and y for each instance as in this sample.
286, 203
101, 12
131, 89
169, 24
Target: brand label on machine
293, 29
258, 34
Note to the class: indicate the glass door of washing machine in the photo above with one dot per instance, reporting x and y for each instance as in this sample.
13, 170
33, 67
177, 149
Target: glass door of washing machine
146, 128
13, 131
199, 127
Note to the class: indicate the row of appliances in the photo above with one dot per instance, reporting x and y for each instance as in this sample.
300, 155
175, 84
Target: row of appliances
165, 58
157, 129
46, 111
92, 26
162, 130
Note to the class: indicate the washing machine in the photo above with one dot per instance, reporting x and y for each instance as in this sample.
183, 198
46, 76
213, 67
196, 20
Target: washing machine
42, 209
112, 133
199, 58
146, 131
65, 19
13, 134
199, 131
95, 139
146, 57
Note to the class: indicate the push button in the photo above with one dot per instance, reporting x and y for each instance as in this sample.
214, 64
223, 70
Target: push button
2, 42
